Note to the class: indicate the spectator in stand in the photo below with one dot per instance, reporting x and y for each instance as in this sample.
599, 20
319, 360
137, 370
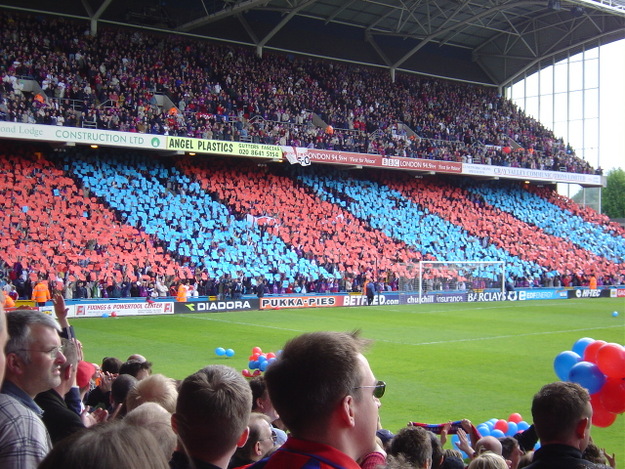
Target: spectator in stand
100, 395
327, 396
511, 451
157, 420
33, 360
488, 460
120, 388
211, 417
138, 369
154, 388
110, 446
260, 442
261, 403
562, 415
58, 418
410, 447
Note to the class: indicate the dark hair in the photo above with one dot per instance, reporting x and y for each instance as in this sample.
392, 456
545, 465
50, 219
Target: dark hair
111, 365
437, 451
414, 444
133, 367
508, 444
258, 387
311, 375
557, 408
121, 386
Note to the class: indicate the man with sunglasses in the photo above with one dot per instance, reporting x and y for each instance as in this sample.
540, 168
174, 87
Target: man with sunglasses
327, 396
260, 442
33, 364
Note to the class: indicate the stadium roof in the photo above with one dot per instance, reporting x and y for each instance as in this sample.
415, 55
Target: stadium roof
485, 41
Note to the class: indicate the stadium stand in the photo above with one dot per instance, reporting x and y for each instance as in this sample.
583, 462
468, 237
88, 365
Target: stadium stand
136, 82
115, 216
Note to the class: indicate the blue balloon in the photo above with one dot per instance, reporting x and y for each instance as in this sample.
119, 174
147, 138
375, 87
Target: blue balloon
220, 351
230, 353
262, 359
490, 425
497, 433
512, 429
581, 344
587, 375
483, 429
105, 315
262, 366
563, 363
522, 426
252, 365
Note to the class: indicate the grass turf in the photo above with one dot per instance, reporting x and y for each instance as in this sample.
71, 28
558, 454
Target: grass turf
441, 362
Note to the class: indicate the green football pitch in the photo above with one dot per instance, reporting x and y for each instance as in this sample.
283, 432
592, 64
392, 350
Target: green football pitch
440, 362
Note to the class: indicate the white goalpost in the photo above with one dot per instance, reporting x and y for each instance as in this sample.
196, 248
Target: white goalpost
452, 277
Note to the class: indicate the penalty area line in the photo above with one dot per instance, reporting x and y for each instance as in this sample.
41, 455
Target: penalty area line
239, 323
476, 339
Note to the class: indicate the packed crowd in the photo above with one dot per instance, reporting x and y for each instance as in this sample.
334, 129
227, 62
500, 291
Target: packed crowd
114, 81
316, 405
109, 226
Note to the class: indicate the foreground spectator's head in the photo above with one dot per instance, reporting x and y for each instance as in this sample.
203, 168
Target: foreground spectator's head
562, 413
155, 388
157, 421
107, 446
120, 388
260, 441
511, 451
488, 460
488, 443
138, 369
261, 402
34, 354
212, 413
111, 365
322, 385
413, 445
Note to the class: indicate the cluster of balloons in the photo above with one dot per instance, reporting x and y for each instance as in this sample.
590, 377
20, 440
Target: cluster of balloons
599, 367
259, 361
498, 428
106, 315
501, 427
220, 352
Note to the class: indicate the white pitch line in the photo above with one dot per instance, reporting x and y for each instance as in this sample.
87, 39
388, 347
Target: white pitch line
475, 339
238, 323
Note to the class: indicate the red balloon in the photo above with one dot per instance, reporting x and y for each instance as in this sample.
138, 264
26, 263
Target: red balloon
590, 352
246, 373
516, 418
257, 350
611, 360
612, 395
501, 425
600, 416
271, 355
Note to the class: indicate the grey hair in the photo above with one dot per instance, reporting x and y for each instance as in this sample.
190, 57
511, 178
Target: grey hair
19, 323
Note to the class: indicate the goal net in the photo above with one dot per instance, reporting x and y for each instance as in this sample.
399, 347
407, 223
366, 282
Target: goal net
441, 276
